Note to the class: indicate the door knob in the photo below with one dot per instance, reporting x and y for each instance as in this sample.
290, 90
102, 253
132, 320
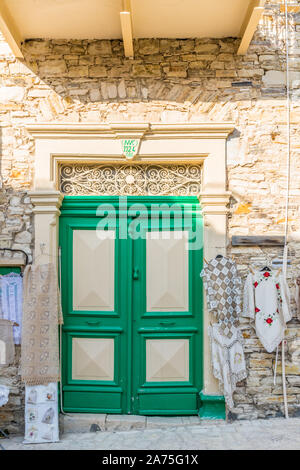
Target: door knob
135, 274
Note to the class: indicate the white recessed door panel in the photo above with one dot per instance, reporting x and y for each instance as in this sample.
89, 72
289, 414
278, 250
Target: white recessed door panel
167, 271
93, 270
92, 359
167, 360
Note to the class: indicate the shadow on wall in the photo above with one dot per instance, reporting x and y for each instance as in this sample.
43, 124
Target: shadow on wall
184, 72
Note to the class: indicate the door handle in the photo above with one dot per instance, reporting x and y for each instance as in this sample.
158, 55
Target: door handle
135, 274
94, 323
167, 323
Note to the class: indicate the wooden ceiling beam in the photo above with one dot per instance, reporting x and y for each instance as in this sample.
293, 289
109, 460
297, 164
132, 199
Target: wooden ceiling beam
10, 31
126, 26
253, 15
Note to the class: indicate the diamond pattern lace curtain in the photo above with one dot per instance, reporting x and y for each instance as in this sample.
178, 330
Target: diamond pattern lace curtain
223, 292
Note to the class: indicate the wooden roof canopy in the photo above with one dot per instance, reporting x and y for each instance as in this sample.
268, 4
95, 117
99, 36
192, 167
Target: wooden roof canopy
128, 19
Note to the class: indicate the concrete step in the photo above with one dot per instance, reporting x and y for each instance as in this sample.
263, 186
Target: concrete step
85, 422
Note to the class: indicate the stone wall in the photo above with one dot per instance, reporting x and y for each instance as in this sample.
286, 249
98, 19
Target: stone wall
171, 81
16, 227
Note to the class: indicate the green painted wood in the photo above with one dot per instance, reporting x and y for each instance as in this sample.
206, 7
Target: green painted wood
155, 397
162, 403
212, 406
130, 325
79, 395
9, 269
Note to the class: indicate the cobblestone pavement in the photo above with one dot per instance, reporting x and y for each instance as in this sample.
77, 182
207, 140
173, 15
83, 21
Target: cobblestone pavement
272, 434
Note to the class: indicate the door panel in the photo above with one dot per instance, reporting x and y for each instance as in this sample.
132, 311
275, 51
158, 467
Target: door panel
167, 360
132, 334
94, 268
167, 317
92, 359
167, 277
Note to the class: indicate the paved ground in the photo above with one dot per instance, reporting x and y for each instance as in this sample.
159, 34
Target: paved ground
272, 434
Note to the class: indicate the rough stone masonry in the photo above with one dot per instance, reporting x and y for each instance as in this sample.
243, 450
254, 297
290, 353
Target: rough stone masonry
170, 80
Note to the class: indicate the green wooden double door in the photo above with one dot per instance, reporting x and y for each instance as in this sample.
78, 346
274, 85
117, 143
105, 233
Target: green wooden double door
132, 305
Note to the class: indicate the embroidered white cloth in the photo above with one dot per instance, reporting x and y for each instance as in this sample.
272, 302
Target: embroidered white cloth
11, 301
228, 361
267, 301
222, 285
41, 413
4, 393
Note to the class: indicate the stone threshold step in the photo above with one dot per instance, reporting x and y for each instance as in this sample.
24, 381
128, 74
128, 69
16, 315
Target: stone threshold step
85, 422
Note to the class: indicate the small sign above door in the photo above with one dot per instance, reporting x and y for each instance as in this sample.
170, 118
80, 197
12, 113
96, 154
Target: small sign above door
130, 147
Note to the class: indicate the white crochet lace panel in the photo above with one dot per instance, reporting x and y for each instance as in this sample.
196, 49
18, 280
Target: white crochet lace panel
228, 361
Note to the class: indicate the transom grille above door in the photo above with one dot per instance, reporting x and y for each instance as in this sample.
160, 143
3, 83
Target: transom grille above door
130, 179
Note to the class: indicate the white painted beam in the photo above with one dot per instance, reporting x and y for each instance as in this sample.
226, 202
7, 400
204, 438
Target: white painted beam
10, 31
254, 14
126, 26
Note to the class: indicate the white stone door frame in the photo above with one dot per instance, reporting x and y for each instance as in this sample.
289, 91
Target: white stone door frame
161, 143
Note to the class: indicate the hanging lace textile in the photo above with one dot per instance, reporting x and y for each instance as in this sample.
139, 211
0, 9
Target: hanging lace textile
222, 284
7, 347
267, 301
228, 361
41, 413
41, 317
11, 302
4, 393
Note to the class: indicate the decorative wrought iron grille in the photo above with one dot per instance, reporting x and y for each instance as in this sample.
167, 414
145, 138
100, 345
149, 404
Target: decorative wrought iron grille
130, 179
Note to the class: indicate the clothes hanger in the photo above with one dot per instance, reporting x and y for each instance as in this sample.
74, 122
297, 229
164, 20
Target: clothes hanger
266, 268
217, 257
269, 262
